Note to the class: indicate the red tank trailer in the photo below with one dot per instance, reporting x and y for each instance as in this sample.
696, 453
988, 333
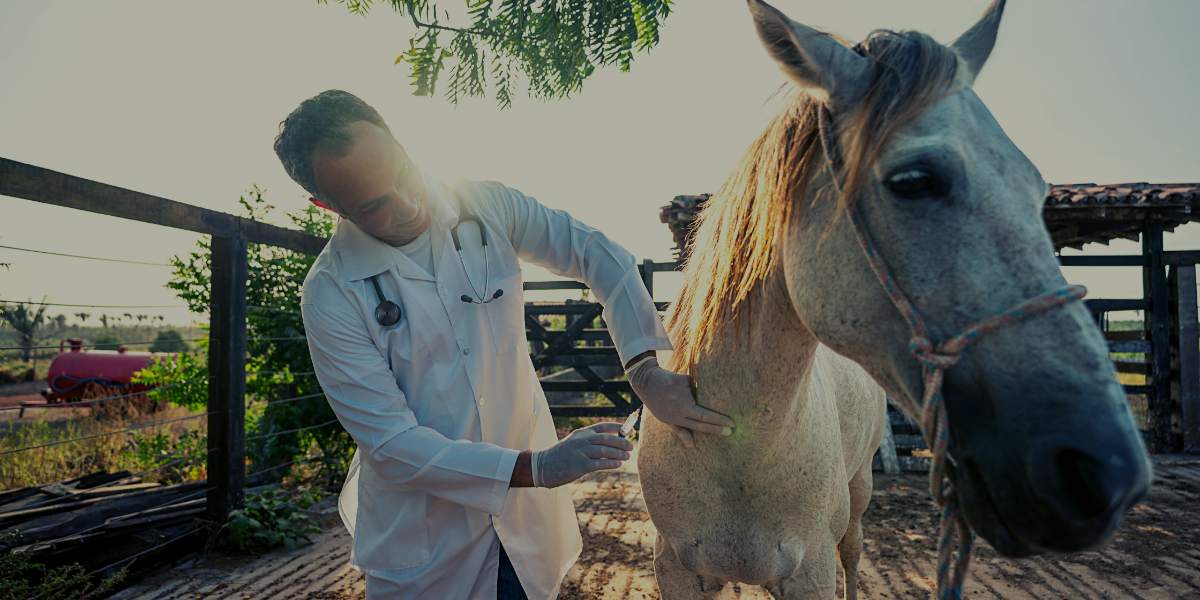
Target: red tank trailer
75, 371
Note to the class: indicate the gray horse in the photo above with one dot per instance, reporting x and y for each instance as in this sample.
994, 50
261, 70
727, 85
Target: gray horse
786, 328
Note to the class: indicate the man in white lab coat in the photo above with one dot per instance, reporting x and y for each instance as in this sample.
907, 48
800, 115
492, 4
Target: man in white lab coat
416, 325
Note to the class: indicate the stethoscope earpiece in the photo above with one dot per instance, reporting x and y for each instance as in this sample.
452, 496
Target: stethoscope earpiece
478, 298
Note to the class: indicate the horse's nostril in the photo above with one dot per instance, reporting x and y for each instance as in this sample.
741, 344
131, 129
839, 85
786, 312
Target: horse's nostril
1093, 490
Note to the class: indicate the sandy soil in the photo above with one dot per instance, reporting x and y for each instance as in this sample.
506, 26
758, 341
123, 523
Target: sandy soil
1156, 555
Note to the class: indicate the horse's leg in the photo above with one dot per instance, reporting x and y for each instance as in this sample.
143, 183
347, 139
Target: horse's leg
850, 548
816, 579
676, 582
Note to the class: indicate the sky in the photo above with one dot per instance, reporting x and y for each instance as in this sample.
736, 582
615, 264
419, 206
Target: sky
183, 100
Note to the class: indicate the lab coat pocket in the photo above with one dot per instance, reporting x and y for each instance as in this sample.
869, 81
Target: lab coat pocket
508, 315
393, 532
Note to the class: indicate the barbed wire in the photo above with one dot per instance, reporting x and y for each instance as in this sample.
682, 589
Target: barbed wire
295, 399
293, 373
106, 433
116, 260
30, 302
299, 461
286, 431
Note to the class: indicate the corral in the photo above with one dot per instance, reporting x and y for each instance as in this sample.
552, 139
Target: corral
1154, 556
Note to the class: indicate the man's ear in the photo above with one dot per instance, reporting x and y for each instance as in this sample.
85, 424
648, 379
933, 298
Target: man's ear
323, 205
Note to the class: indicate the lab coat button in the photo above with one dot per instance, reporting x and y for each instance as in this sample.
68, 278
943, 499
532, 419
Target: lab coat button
482, 401
466, 351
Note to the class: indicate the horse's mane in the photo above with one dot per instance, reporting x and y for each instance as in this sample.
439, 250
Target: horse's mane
735, 243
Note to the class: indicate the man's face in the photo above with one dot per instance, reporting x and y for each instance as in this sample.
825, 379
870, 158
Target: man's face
375, 185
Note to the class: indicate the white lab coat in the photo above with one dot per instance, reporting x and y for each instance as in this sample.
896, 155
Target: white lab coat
441, 403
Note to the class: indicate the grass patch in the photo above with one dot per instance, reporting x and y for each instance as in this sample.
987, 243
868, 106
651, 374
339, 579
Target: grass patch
133, 451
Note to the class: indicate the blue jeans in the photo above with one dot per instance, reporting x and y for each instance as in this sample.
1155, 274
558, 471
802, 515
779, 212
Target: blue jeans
508, 587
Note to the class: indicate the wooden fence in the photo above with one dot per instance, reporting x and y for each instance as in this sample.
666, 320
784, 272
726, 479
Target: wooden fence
583, 344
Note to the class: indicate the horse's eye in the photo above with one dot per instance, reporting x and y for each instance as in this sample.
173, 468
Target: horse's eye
916, 183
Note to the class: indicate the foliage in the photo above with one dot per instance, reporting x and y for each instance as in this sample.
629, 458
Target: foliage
181, 380
15, 372
278, 366
168, 340
270, 519
25, 321
170, 458
23, 578
555, 44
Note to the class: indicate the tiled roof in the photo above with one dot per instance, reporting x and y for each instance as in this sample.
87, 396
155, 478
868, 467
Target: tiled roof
1125, 194
1076, 214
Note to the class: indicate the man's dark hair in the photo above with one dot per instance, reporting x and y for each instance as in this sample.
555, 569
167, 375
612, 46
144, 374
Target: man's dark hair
321, 123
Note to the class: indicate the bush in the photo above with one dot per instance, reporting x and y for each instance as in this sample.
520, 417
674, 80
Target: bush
269, 520
278, 366
106, 341
15, 372
168, 340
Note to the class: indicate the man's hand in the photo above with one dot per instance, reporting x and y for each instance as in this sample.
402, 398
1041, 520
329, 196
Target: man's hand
587, 449
669, 397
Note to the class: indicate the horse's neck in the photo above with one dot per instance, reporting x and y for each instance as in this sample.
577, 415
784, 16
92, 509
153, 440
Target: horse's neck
760, 362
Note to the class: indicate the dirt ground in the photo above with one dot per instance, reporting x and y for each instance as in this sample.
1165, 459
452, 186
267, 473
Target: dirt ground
1156, 554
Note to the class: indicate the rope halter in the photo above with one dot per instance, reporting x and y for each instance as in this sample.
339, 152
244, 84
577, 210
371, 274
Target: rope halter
934, 359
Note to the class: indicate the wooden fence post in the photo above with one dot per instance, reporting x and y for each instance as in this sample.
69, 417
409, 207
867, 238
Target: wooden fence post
227, 377
1186, 334
648, 276
1154, 285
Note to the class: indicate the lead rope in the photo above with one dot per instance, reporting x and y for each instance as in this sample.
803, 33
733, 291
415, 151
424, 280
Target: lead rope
935, 359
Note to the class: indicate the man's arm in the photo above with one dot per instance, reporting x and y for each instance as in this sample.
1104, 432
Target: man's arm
522, 475
363, 393
570, 248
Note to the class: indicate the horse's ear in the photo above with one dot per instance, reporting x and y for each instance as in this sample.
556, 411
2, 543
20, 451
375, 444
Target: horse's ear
811, 58
976, 44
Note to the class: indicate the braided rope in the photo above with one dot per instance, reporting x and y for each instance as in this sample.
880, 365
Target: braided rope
935, 359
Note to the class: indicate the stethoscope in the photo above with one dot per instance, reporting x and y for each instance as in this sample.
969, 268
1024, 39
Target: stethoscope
388, 313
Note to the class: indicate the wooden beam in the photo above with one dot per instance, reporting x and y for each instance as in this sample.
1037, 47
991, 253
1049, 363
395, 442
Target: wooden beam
1187, 352
1125, 213
554, 285
227, 386
1137, 346
1130, 335
588, 411
1181, 257
583, 386
1106, 305
1101, 260
583, 320
30, 182
1132, 367
1154, 285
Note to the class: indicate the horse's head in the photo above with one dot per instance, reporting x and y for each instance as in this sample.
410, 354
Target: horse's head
1045, 452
